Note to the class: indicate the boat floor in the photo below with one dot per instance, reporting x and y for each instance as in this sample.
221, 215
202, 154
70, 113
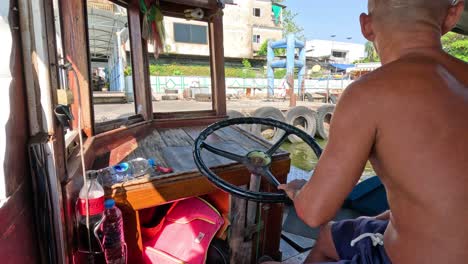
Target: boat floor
298, 238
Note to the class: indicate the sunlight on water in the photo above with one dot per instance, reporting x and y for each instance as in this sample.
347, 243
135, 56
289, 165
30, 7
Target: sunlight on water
304, 158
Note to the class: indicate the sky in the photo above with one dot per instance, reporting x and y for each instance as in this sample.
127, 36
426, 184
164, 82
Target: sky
323, 18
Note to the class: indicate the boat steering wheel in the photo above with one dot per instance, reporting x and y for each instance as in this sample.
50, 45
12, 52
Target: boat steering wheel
257, 162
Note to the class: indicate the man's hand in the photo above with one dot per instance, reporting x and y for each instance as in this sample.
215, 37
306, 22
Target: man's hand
292, 188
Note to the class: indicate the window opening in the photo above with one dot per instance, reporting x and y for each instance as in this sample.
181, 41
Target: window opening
256, 38
257, 12
180, 77
339, 54
110, 58
189, 33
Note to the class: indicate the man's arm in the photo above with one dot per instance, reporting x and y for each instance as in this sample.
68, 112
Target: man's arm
352, 136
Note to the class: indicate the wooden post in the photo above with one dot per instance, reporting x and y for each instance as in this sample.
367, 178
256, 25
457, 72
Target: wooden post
239, 249
251, 220
141, 82
76, 52
218, 81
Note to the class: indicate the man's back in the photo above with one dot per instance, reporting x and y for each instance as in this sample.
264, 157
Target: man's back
421, 154
410, 118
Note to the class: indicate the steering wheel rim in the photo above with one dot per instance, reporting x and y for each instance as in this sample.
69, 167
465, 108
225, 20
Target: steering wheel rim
257, 162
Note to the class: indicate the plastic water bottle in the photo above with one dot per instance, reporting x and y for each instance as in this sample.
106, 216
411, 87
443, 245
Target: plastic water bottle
113, 242
140, 166
121, 172
126, 171
87, 242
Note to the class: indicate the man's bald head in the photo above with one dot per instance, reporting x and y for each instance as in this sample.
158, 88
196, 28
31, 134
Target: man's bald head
428, 12
398, 25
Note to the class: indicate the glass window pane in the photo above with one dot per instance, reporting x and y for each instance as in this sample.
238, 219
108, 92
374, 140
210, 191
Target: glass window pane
110, 59
181, 32
180, 77
199, 34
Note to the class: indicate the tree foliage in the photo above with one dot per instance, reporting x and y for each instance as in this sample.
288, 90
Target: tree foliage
371, 54
453, 43
246, 63
290, 25
456, 45
263, 50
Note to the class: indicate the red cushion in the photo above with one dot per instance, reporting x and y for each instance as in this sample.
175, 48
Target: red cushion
184, 235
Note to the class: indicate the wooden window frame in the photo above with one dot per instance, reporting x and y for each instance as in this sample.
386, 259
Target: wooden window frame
140, 102
76, 42
217, 70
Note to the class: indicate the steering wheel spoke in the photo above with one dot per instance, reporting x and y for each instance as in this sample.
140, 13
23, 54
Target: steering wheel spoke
266, 173
223, 153
278, 144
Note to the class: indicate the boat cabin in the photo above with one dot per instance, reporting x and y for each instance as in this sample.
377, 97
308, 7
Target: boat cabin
53, 132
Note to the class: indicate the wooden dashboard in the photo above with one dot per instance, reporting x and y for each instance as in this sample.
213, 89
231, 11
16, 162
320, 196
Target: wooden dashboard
173, 148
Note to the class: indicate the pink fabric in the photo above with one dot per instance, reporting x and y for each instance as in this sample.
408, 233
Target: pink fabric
184, 235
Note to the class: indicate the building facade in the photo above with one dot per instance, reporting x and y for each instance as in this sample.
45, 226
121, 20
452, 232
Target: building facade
335, 51
247, 24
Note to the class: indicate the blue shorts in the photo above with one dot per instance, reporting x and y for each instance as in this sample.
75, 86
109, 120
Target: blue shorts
366, 234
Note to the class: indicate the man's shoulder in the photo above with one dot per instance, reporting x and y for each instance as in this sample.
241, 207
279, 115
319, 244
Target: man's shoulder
397, 74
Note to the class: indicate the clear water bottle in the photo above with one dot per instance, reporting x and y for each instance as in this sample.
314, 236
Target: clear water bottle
115, 174
121, 172
113, 242
141, 166
126, 171
87, 242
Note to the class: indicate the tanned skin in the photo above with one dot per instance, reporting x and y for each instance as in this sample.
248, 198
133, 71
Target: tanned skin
410, 119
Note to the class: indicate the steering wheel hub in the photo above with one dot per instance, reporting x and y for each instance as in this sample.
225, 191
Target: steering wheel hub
259, 158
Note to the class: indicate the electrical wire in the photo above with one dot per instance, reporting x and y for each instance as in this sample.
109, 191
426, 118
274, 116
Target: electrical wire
83, 165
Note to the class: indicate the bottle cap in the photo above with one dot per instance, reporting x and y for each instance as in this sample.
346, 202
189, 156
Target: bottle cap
92, 174
152, 162
109, 203
122, 167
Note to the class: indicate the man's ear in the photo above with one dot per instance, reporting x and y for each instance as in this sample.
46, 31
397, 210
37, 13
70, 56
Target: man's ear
366, 27
453, 16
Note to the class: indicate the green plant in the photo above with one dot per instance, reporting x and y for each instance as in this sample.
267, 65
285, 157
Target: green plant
263, 50
128, 71
290, 25
456, 45
280, 73
371, 54
246, 63
201, 70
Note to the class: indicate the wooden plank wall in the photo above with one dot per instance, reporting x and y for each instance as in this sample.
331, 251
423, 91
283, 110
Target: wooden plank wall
17, 234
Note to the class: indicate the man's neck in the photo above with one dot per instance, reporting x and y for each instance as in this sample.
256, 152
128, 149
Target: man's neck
400, 45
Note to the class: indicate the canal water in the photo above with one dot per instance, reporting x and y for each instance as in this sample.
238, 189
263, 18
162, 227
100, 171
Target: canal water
304, 158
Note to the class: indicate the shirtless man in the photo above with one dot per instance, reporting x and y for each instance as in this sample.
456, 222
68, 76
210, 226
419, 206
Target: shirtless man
410, 118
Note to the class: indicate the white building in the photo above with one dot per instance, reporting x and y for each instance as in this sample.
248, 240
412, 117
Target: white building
247, 24
339, 52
